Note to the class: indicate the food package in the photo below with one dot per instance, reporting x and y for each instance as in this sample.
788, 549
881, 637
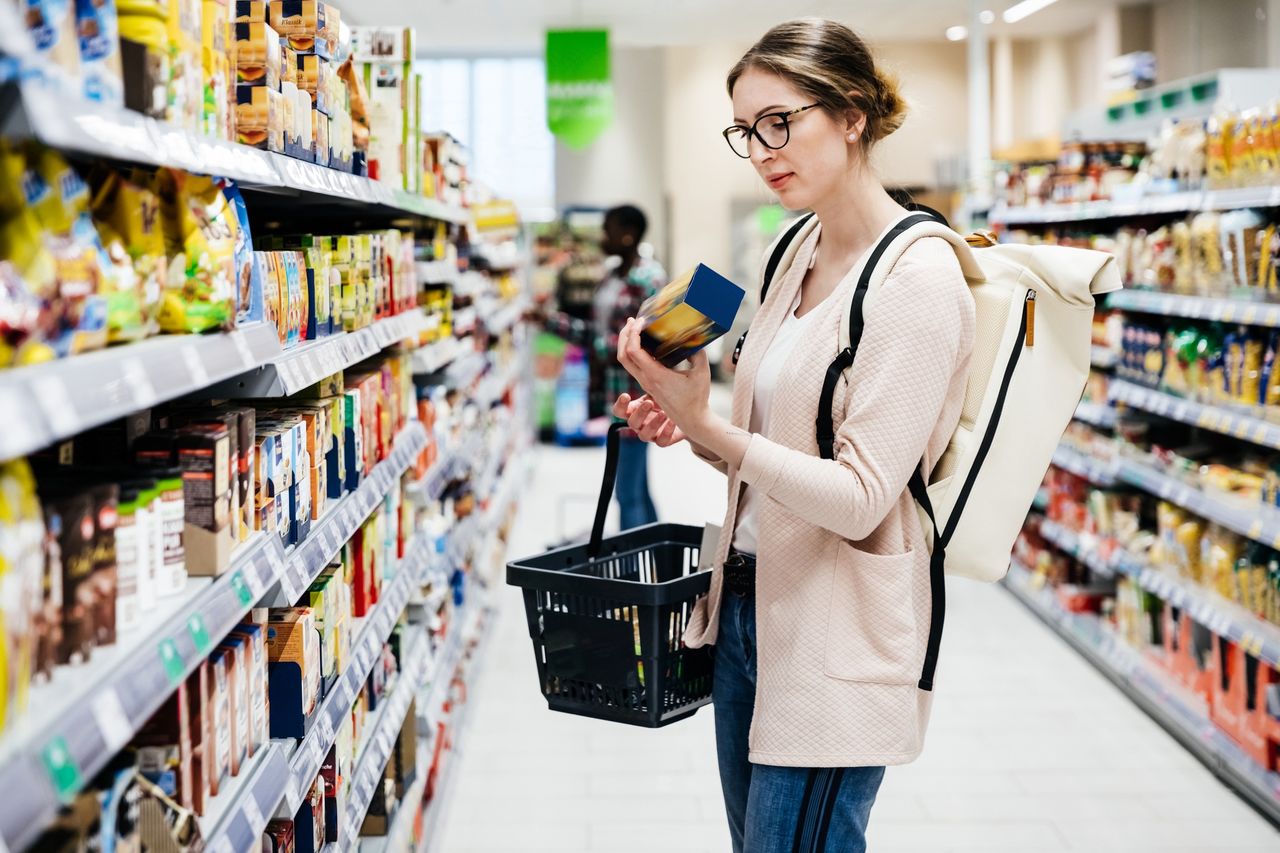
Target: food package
303, 23
100, 68
52, 24
383, 44
249, 307
258, 59
312, 75
201, 228
186, 66
388, 88
144, 56
1206, 230
126, 212
260, 117
687, 314
1221, 134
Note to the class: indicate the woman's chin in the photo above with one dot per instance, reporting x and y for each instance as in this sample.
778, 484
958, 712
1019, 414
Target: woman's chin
791, 200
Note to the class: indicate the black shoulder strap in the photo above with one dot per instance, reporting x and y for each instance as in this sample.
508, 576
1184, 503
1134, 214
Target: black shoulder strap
825, 426
824, 423
780, 249
771, 269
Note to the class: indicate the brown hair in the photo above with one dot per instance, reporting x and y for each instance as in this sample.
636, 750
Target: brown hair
833, 66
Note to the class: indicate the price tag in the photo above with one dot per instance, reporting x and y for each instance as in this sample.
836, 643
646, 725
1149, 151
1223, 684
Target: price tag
326, 729
318, 751
174, 667
112, 722
276, 561
253, 814
138, 383
195, 366
62, 769
241, 343
199, 634
349, 691
54, 400
222, 845
1250, 315
1255, 529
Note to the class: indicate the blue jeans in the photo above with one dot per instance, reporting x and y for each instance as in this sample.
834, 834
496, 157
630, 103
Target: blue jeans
632, 490
777, 809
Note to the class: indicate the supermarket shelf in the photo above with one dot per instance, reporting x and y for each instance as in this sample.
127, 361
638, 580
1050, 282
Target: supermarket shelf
1174, 710
400, 831
1100, 474
308, 757
1103, 357
82, 718
465, 370
307, 560
436, 356
1225, 618
437, 272
295, 369
465, 320
1081, 547
1224, 421
1257, 522
1197, 307
1095, 414
64, 120
240, 812
71, 395
494, 387
1153, 205
506, 317
382, 735
61, 398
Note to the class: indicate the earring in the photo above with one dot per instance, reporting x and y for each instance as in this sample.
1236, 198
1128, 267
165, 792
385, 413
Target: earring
853, 137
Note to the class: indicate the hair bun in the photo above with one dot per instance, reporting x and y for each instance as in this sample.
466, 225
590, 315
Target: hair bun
891, 107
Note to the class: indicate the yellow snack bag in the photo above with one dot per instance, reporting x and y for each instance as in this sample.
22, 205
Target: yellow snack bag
200, 230
127, 214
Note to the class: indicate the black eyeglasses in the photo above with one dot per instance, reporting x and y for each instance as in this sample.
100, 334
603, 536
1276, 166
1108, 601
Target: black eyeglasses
772, 129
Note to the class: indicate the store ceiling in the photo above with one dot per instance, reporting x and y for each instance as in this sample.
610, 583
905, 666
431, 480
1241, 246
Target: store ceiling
509, 26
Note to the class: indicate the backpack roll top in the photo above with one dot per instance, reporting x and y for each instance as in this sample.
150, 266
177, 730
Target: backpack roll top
1034, 311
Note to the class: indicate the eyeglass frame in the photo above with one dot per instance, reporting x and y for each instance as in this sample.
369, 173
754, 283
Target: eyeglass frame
785, 116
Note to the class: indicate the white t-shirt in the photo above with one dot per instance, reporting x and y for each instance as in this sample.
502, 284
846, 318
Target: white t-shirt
771, 364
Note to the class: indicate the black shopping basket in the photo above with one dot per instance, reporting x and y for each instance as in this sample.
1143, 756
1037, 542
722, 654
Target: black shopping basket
607, 619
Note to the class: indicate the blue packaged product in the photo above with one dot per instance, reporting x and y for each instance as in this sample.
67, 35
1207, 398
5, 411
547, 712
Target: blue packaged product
688, 314
100, 68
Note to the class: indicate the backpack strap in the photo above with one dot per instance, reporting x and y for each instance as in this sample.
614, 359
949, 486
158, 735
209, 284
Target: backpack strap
923, 224
780, 248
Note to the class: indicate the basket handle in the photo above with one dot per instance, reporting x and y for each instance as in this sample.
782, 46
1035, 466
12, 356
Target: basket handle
606, 487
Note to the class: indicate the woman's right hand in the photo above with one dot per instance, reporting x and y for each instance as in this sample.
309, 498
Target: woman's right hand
648, 420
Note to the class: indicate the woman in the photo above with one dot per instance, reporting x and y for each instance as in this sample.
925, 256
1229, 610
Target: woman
819, 603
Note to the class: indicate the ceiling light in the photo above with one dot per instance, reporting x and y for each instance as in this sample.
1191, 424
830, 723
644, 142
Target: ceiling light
987, 16
957, 33
1026, 8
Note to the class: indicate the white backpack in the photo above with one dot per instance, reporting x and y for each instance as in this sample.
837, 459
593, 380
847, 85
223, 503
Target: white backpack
1034, 307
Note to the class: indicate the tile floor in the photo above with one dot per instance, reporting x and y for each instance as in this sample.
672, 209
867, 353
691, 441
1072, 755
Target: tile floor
1030, 749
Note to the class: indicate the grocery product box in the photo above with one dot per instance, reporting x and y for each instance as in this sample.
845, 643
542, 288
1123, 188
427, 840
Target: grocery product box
304, 23
260, 117
204, 455
221, 723
238, 690
293, 652
99, 40
313, 77
320, 142
687, 314
257, 55
167, 743
387, 85
252, 11
255, 639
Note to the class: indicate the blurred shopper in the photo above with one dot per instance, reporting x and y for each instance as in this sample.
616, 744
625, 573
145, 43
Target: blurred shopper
820, 601
624, 288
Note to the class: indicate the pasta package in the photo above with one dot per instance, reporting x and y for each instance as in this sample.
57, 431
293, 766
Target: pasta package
200, 229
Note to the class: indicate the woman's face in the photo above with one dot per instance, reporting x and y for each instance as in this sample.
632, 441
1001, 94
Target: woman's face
816, 158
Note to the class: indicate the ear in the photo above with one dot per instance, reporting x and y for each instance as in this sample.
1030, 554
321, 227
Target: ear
855, 120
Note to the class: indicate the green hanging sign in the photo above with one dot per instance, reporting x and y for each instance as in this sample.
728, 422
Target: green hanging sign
579, 88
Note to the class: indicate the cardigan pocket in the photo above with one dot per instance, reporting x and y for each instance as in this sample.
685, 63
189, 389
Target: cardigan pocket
872, 634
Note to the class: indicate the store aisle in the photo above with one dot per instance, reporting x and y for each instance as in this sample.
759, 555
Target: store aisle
1030, 748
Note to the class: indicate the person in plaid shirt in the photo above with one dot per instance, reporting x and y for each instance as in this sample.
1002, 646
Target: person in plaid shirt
618, 299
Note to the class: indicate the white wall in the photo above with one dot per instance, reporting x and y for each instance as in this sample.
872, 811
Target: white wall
626, 165
1043, 86
935, 83
1191, 37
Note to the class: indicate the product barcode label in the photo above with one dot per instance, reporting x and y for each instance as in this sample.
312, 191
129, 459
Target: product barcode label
318, 751
138, 383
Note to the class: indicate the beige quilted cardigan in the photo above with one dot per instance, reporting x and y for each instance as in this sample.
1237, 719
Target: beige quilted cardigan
842, 580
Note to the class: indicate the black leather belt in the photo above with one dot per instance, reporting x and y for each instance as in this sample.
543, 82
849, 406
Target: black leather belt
740, 574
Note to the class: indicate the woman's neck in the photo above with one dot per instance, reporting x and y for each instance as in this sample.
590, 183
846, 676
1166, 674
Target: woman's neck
628, 263
853, 216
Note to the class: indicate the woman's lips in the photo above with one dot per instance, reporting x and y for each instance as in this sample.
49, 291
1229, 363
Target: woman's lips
780, 181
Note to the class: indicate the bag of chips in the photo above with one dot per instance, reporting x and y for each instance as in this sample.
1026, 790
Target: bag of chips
200, 230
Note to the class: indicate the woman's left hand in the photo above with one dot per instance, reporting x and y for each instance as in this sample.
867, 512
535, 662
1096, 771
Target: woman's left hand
683, 395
